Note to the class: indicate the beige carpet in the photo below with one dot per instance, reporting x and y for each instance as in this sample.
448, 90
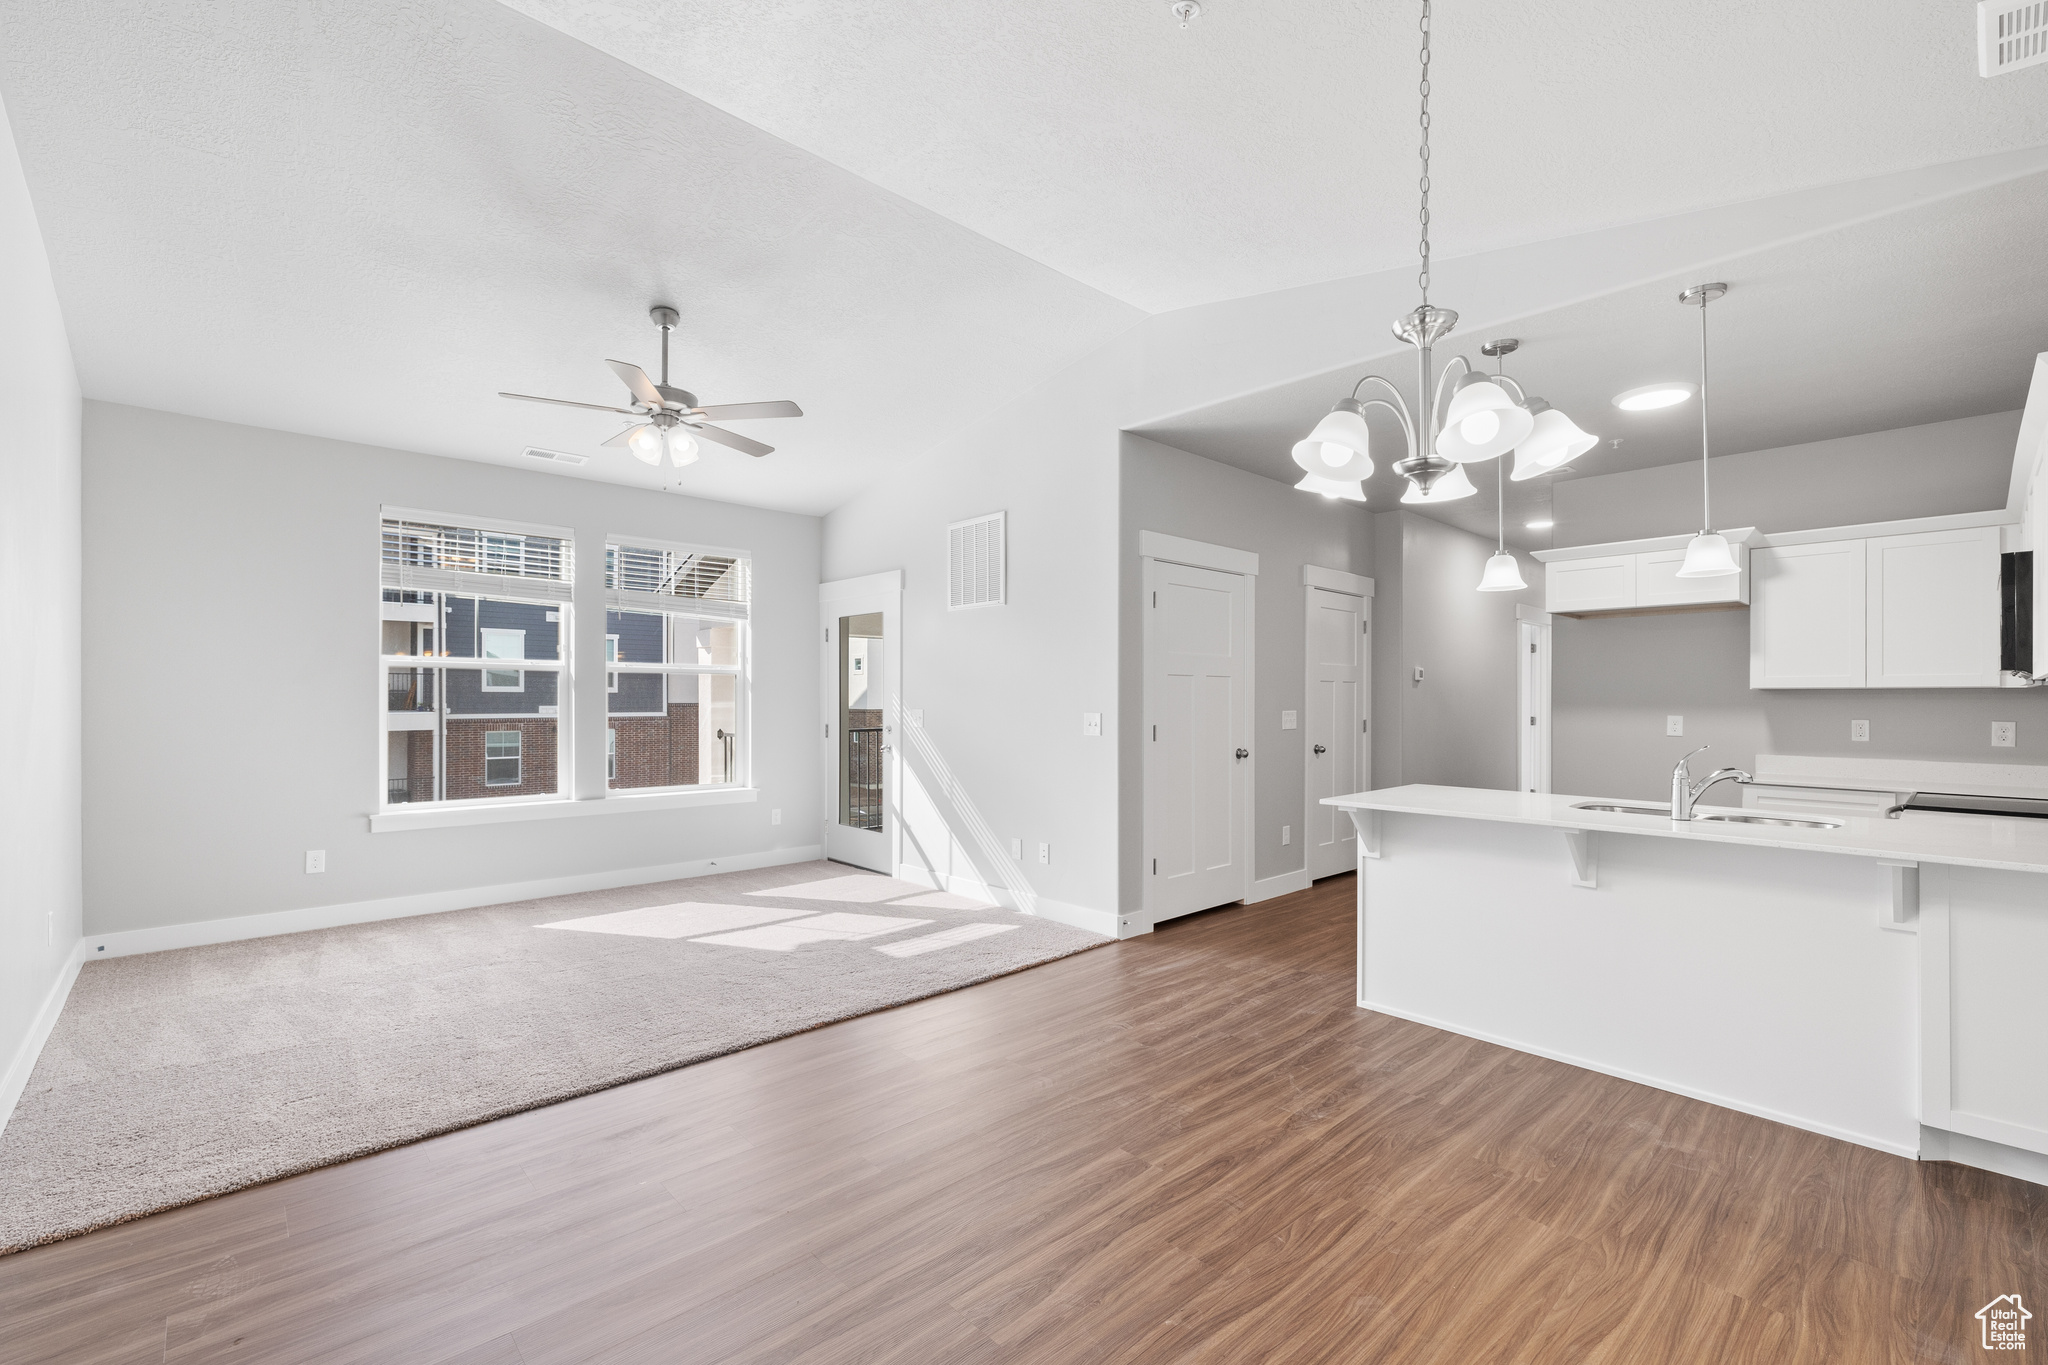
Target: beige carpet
174, 1076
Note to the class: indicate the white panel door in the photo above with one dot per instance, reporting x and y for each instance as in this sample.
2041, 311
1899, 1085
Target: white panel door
1606, 583
1932, 609
1198, 676
1806, 617
1338, 669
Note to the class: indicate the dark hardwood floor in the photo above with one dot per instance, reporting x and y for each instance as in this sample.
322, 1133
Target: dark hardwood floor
1187, 1147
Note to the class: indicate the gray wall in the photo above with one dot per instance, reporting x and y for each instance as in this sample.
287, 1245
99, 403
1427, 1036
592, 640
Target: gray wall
1168, 490
219, 749
39, 617
1457, 726
1925, 471
1617, 678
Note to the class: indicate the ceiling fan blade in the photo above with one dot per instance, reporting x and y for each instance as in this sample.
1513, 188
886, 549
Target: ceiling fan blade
624, 436
637, 380
728, 412
568, 403
733, 439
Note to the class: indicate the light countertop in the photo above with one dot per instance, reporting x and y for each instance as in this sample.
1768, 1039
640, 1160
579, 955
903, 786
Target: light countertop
2008, 844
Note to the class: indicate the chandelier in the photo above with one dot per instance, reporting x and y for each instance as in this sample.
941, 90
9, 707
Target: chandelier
1467, 415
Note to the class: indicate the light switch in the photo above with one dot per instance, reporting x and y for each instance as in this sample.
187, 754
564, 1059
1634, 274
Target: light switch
1286, 835
774, 817
1859, 731
1287, 720
316, 860
1674, 725
1091, 722
2004, 733
1418, 672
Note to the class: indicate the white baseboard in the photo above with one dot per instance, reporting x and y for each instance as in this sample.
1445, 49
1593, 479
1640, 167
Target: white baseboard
1938, 1144
1905, 1149
131, 941
1101, 922
1266, 888
15, 1080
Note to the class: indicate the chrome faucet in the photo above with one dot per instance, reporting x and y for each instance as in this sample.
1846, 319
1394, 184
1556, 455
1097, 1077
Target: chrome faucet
1684, 791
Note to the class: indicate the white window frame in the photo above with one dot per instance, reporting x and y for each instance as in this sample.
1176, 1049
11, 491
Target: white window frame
518, 757
611, 656
518, 683
611, 753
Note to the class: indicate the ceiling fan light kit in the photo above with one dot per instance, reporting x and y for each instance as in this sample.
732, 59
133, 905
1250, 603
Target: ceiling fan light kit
669, 421
1466, 415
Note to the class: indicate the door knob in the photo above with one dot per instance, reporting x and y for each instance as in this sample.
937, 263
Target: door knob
1244, 753
1321, 750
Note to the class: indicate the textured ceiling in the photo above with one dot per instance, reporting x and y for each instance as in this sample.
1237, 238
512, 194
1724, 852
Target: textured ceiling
363, 221
1272, 143
1921, 316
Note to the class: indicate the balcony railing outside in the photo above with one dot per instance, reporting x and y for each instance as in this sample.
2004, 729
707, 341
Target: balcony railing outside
864, 778
397, 789
409, 689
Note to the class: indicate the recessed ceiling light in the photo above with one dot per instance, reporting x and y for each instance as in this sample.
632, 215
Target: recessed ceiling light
1543, 525
1650, 397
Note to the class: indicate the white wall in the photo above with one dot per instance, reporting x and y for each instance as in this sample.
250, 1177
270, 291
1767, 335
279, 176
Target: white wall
1169, 490
39, 616
231, 677
1924, 471
1457, 726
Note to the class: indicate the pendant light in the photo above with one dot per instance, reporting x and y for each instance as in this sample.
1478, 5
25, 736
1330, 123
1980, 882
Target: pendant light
1708, 555
1502, 573
1484, 417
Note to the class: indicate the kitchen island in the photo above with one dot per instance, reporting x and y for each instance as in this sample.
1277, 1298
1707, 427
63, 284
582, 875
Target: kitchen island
1881, 981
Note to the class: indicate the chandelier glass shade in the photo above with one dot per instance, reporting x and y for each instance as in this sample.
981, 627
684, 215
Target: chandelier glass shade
1447, 487
1328, 460
1347, 490
1482, 421
1554, 440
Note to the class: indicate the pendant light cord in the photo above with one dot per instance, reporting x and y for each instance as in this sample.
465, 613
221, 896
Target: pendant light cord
1423, 278
1500, 493
1706, 503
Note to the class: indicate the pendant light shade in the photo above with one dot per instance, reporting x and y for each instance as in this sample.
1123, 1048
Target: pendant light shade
1482, 421
1555, 441
1348, 491
1328, 460
1449, 488
1502, 574
1709, 556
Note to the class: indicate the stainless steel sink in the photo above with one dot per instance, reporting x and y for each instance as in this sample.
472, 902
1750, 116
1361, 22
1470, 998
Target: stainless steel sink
1772, 820
1612, 809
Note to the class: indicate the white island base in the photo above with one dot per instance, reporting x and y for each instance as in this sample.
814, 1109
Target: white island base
1798, 975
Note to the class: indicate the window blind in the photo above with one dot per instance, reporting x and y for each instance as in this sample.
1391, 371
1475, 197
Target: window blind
424, 556
675, 578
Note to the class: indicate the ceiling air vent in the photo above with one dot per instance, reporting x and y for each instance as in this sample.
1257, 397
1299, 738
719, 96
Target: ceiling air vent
2010, 36
974, 562
558, 456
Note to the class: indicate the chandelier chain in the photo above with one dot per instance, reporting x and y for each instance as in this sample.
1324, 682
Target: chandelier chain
1422, 279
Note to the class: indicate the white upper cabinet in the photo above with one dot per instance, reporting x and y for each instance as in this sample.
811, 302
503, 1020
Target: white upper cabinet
1806, 618
1607, 583
1932, 609
1658, 583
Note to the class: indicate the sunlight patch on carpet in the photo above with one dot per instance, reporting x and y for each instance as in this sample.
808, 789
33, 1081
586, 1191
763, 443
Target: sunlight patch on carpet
844, 928
945, 938
685, 919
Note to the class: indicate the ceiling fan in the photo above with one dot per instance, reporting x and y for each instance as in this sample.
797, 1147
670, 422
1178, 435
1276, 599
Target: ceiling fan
669, 418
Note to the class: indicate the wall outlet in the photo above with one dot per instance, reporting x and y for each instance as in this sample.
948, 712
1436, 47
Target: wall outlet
1017, 849
775, 817
1287, 720
1859, 731
1418, 672
1674, 725
1286, 835
1091, 722
316, 860
1045, 853
2004, 733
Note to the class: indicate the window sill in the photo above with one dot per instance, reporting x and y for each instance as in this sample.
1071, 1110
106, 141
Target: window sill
445, 817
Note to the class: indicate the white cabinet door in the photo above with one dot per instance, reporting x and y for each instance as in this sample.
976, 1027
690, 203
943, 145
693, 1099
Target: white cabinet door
1658, 583
1806, 619
1983, 947
1607, 583
1932, 609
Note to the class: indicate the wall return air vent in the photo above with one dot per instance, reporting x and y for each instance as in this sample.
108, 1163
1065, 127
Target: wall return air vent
2011, 36
974, 562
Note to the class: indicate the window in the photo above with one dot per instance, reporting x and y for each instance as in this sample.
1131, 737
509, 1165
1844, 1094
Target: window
501, 758
459, 602
677, 658
503, 644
